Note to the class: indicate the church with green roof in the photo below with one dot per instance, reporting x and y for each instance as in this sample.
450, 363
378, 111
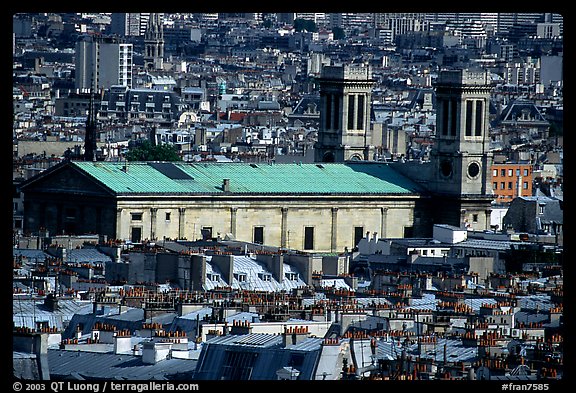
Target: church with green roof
325, 206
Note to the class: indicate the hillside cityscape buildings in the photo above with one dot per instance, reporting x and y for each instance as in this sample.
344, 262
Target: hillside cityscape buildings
334, 196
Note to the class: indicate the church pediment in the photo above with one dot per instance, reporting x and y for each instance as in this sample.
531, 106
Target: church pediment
65, 179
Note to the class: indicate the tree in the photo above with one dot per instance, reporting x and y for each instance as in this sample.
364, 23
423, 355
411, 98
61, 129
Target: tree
338, 33
556, 129
267, 23
305, 25
145, 151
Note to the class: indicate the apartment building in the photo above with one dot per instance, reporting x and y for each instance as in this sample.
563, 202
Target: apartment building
511, 180
102, 62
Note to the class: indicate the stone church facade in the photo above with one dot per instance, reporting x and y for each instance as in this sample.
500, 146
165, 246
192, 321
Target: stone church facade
311, 211
322, 207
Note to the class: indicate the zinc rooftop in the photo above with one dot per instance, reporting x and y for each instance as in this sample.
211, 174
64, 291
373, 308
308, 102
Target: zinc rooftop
251, 312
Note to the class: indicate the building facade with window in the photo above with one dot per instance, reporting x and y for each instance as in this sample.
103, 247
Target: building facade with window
142, 106
511, 180
536, 214
311, 207
101, 62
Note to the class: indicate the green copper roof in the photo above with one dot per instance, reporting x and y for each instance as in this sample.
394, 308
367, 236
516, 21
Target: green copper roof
246, 178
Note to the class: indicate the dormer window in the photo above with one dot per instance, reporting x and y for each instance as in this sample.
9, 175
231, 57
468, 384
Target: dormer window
241, 277
213, 277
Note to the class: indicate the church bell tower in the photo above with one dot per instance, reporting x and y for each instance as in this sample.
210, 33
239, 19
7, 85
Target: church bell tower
154, 43
345, 98
461, 158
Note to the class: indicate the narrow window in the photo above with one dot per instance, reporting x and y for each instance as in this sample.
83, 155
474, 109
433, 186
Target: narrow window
479, 118
336, 113
445, 117
308, 238
259, 235
206, 233
453, 117
469, 118
358, 234
136, 235
328, 111
351, 103
360, 121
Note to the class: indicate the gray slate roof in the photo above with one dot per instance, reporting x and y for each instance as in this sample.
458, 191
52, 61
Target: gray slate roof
87, 365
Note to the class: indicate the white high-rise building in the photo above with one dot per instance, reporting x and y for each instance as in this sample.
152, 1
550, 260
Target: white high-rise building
318, 17
390, 25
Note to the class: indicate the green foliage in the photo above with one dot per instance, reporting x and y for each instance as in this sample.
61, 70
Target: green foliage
338, 33
267, 23
145, 151
305, 25
556, 129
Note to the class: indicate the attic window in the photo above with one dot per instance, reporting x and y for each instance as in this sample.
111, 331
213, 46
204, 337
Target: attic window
265, 276
241, 277
291, 276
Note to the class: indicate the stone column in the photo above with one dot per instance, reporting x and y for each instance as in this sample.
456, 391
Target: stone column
118, 234
283, 227
383, 219
181, 222
488, 213
233, 211
81, 219
334, 237
153, 212
59, 221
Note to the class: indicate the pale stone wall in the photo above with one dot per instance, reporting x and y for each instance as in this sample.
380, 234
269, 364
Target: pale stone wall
283, 221
269, 217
